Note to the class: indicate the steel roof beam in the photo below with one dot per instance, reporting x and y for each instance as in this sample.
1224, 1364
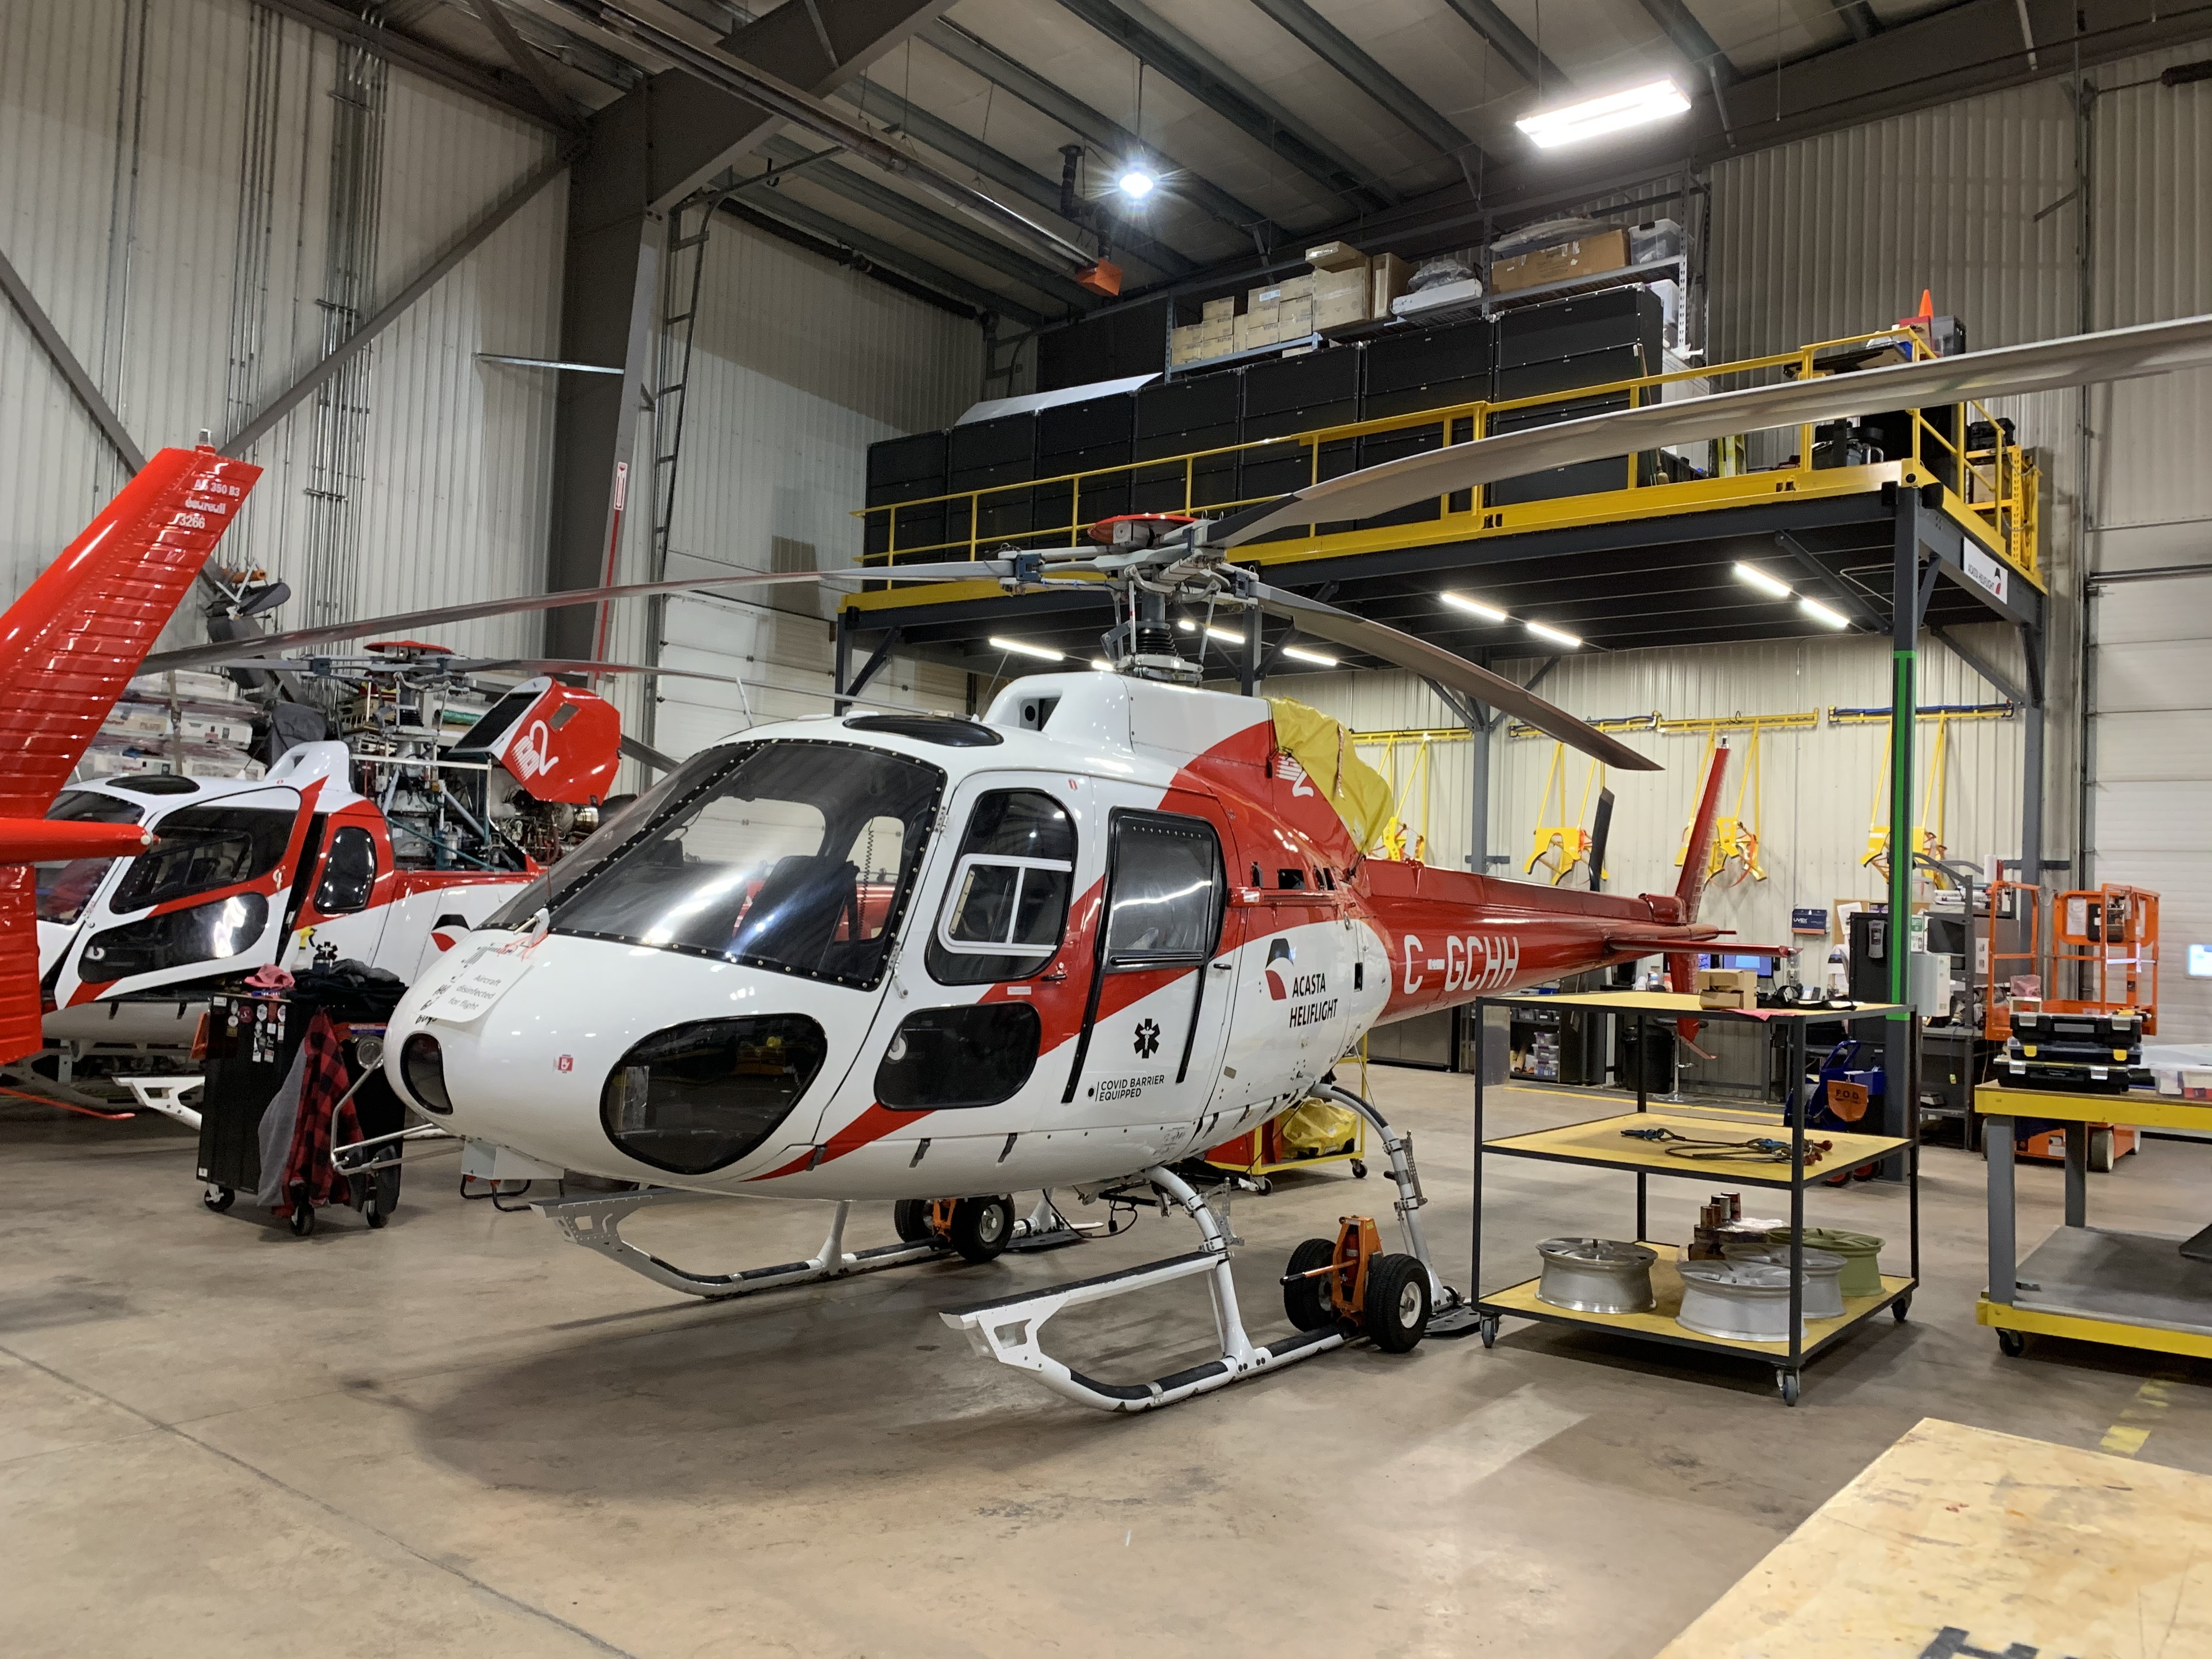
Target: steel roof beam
1108, 135
1506, 39
882, 200
1337, 50
1860, 18
1160, 45
834, 240
971, 152
1690, 37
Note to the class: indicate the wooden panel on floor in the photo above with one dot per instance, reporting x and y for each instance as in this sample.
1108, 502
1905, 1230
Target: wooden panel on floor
1959, 1540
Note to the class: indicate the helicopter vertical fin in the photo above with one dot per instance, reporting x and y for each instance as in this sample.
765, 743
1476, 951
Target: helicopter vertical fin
1691, 887
67, 648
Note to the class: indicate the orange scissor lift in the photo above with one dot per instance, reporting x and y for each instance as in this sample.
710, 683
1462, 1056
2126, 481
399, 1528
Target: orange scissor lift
2104, 947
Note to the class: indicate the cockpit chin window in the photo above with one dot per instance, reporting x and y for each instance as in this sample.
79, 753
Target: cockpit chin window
797, 857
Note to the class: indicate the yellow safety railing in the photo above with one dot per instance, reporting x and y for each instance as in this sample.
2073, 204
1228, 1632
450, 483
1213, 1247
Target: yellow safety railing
1992, 488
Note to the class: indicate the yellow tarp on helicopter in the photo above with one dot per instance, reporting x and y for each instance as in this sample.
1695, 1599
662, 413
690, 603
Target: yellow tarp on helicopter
1360, 794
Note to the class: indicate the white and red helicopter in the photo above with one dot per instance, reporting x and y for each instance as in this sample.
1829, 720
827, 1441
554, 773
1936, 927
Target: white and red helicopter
941, 961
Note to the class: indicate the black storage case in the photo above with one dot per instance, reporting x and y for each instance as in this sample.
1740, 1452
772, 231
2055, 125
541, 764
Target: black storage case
1177, 417
984, 455
1288, 395
243, 1076
1083, 437
901, 470
1543, 350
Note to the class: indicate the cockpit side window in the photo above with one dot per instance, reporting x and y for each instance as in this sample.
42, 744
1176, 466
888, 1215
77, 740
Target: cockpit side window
1006, 907
66, 886
349, 871
794, 856
1164, 900
203, 848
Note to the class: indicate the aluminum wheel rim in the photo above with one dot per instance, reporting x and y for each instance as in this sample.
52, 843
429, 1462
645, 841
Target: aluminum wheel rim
1409, 1304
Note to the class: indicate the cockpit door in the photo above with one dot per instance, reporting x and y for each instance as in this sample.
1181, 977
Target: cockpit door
209, 900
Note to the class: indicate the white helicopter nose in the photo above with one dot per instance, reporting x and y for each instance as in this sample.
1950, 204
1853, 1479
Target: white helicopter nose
629, 1064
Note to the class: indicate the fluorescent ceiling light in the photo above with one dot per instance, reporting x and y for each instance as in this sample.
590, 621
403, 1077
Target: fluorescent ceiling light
1226, 636
1022, 647
1101, 665
1760, 579
1572, 123
1313, 657
1488, 612
1138, 181
1187, 625
1557, 636
1819, 612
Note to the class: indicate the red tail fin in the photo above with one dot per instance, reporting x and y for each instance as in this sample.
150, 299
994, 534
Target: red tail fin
67, 649
1692, 886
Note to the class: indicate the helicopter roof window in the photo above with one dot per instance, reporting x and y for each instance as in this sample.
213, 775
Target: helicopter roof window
928, 728
154, 783
490, 729
203, 848
793, 856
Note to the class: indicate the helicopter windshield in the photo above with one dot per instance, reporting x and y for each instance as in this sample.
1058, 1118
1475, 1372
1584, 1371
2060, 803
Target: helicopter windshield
796, 856
66, 885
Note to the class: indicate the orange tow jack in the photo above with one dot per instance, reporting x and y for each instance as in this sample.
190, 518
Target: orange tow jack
1352, 1280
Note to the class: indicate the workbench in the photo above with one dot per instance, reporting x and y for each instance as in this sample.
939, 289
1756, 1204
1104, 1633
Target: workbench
1614, 1143
2094, 1284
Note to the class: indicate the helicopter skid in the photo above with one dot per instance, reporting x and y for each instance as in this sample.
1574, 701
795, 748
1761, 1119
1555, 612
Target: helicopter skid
596, 1224
1010, 1329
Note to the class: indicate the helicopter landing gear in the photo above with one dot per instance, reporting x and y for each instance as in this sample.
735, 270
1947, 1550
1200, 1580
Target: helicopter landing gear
1449, 1313
1009, 1329
595, 1222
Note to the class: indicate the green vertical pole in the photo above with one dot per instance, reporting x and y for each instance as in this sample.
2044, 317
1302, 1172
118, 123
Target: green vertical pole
1904, 698
1901, 1105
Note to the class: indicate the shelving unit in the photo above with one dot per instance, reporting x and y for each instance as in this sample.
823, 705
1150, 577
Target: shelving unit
2128, 1290
1601, 1143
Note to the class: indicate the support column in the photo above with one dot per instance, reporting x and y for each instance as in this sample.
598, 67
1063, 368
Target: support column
646, 151
2031, 760
1250, 668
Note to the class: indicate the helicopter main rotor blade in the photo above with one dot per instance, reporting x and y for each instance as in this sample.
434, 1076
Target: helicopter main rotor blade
1448, 669
2078, 360
196, 656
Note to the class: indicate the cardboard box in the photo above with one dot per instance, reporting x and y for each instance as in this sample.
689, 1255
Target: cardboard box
1335, 256
1340, 297
1254, 329
1218, 311
1591, 257
1294, 319
2196, 1084
1388, 276
1295, 288
1728, 987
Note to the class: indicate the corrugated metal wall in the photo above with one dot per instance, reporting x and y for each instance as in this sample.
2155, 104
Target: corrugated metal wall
167, 189
797, 366
2149, 690
1811, 805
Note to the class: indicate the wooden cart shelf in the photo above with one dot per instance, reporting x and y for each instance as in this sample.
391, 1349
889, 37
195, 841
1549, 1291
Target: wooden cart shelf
1600, 1144
1603, 1142
1660, 1324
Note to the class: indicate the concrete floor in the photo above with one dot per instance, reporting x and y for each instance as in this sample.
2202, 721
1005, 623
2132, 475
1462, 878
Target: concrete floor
217, 1438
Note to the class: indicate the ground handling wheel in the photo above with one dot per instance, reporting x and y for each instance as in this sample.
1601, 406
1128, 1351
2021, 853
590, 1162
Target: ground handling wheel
1306, 1298
2011, 1344
1394, 1311
981, 1227
911, 1216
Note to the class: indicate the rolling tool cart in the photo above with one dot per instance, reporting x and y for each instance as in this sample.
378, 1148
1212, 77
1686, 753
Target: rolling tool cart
1722, 1147
2129, 1290
254, 1039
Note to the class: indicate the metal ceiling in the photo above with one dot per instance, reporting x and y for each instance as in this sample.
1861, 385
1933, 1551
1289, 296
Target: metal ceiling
1273, 122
